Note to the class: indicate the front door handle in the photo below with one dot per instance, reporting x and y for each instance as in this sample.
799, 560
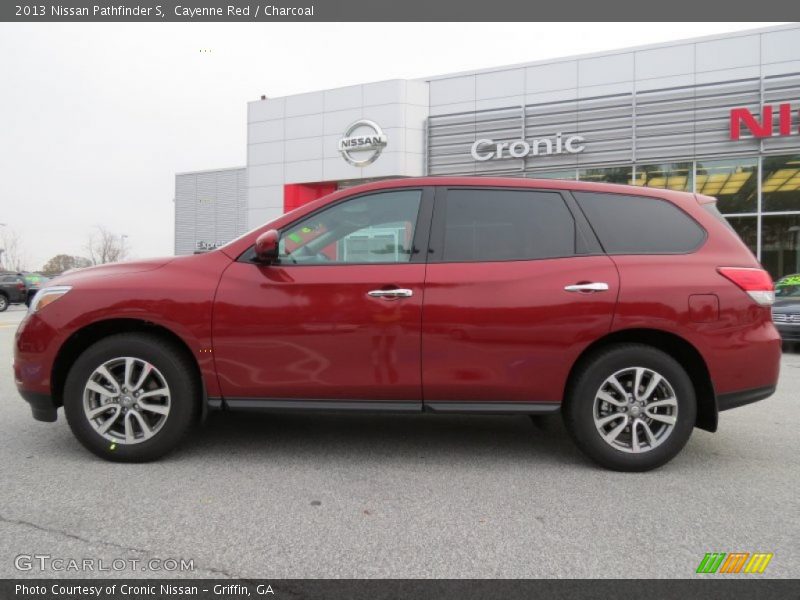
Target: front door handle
587, 287
391, 294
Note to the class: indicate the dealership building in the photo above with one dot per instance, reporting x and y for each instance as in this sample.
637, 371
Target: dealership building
717, 115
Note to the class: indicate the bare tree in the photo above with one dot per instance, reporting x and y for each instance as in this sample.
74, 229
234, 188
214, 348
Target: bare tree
106, 247
64, 262
12, 255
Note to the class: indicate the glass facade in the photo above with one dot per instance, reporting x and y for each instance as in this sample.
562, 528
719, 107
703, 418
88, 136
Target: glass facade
780, 183
771, 219
747, 228
607, 175
780, 244
733, 182
565, 174
672, 176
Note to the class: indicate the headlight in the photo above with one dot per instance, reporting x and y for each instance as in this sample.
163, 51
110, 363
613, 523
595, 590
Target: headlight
47, 296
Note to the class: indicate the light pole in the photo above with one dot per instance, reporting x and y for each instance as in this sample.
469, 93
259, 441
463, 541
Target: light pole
2, 250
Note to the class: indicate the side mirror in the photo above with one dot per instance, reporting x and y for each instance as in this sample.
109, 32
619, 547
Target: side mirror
267, 246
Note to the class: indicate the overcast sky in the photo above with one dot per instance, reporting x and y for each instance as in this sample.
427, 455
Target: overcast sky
97, 118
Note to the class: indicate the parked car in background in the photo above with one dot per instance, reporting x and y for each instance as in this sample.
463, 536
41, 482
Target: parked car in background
12, 290
636, 313
33, 282
786, 311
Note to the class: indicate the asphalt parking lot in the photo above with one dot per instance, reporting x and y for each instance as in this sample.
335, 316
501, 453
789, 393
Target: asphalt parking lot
399, 496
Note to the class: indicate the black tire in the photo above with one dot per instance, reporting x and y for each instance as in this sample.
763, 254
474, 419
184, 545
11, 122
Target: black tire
579, 406
3, 302
180, 375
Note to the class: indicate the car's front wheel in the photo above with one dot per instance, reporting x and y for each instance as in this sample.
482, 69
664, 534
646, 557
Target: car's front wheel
131, 397
3, 302
630, 407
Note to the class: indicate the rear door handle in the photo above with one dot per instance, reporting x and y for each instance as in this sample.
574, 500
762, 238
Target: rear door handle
391, 294
587, 287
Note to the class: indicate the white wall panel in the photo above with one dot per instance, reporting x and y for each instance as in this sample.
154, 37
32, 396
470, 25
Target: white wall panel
500, 83
605, 69
664, 62
302, 127
343, 98
384, 92
305, 104
256, 217
268, 152
548, 78
271, 174
265, 110
266, 196
265, 131
730, 53
455, 89
303, 149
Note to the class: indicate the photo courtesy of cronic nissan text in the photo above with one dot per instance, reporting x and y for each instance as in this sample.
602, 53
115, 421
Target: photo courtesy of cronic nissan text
422, 301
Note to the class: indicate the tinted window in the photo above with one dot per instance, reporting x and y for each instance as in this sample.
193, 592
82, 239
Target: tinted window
638, 225
489, 225
376, 228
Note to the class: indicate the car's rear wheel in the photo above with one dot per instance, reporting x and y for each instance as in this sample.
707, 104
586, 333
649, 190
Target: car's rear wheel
3, 302
131, 397
630, 407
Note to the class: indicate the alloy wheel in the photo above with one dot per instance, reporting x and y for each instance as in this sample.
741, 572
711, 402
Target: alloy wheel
635, 410
126, 400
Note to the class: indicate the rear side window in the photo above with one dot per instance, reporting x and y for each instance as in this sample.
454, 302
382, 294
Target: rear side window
639, 225
494, 225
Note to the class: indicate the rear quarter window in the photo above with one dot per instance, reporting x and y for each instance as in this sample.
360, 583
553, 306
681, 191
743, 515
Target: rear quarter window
640, 225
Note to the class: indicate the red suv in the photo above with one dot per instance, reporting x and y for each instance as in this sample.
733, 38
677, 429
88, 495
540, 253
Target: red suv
636, 313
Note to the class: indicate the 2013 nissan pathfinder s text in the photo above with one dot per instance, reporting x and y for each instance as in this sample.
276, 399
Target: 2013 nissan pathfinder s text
636, 313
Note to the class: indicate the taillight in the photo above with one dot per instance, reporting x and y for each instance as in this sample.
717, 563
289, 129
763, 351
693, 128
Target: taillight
756, 282
20, 286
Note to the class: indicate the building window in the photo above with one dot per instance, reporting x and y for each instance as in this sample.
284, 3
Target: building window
733, 182
622, 175
671, 176
747, 228
780, 244
565, 174
780, 183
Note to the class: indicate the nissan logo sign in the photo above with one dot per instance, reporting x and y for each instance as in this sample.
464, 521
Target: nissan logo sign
362, 143
489, 149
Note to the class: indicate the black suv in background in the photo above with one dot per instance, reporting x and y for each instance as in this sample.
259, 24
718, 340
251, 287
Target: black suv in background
19, 288
33, 281
786, 311
13, 290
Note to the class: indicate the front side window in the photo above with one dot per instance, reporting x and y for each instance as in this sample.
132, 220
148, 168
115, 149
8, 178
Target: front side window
374, 228
496, 225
